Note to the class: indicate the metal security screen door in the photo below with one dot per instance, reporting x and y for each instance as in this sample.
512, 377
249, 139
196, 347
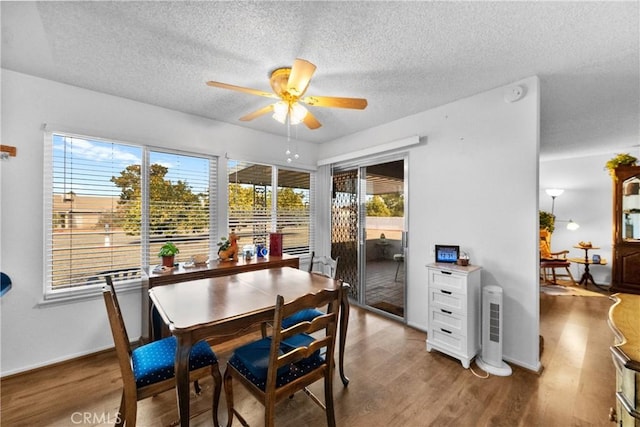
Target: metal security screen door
344, 227
369, 233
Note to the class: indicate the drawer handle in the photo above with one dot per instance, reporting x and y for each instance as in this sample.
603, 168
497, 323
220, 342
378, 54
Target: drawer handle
444, 330
446, 272
445, 292
445, 311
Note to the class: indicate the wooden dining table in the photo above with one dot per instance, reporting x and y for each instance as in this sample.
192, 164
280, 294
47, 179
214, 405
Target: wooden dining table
218, 308
185, 273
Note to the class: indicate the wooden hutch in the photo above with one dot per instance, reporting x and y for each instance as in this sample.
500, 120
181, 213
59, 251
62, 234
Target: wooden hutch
625, 274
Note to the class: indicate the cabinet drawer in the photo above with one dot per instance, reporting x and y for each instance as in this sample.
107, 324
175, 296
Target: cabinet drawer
627, 390
446, 319
448, 340
443, 298
452, 281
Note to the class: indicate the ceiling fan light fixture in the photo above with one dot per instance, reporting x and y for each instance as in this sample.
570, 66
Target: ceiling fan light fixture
289, 84
280, 111
298, 113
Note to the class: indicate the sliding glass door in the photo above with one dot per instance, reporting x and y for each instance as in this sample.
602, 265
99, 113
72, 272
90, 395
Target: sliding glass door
369, 233
384, 231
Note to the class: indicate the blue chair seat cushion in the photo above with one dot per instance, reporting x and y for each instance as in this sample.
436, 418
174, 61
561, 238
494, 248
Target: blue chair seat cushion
252, 360
305, 315
155, 362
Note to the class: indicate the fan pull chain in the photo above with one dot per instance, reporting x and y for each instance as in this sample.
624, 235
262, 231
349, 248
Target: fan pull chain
288, 152
295, 146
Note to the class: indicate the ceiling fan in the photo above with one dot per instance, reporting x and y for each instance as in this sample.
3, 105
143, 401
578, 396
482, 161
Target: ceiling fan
289, 84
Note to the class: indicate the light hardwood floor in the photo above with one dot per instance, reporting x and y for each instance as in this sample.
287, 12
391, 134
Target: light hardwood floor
394, 382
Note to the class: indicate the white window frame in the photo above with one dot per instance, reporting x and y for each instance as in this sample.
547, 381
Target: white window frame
86, 291
273, 208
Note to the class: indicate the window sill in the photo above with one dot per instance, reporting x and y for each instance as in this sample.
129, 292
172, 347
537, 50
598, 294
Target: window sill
70, 296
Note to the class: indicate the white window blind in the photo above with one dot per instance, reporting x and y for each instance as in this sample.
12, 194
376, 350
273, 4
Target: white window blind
86, 235
250, 201
110, 206
254, 212
294, 211
179, 203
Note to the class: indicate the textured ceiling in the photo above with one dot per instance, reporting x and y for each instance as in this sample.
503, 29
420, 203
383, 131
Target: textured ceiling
404, 57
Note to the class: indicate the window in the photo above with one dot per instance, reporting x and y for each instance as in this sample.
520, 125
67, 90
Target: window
108, 212
254, 213
179, 203
293, 210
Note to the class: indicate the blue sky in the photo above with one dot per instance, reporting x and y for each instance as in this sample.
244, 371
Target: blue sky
90, 164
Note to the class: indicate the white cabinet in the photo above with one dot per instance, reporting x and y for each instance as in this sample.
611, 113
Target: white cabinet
454, 310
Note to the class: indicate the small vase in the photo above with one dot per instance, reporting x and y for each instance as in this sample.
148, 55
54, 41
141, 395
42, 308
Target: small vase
167, 261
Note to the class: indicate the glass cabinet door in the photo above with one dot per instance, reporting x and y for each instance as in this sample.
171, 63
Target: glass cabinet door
631, 209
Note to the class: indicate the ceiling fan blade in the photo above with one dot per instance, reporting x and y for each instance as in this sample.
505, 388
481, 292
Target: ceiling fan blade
332, 101
243, 89
300, 76
258, 113
311, 121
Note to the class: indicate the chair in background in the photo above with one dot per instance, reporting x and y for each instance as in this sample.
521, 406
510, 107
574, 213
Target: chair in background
149, 369
324, 263
399, 259
276, 367
550, 261
116, 275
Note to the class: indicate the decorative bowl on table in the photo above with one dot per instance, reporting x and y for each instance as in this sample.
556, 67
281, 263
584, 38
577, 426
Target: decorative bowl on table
200, 259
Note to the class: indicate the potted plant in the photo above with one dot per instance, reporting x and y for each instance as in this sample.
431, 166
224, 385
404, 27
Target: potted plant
547, 221
622, 159
168, 252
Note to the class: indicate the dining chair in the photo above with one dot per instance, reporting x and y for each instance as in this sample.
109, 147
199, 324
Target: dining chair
149, 369
275, 367
326, 263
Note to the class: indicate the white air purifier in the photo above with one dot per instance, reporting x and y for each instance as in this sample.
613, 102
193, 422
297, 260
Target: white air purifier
490, 360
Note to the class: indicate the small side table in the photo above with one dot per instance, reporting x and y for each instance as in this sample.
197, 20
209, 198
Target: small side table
383, 250
586, 276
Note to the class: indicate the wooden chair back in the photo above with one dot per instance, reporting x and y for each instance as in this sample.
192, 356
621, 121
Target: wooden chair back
545, 244
131, 392
120, 337
315, 356
324, 263
327, 323
113, 301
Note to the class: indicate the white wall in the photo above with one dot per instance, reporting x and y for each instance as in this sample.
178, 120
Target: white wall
72, 329
473, 181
